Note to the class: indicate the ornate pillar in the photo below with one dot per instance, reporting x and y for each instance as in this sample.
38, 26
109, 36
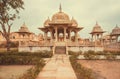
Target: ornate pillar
64, 33
70, 34
76, 36
51, 35
56, 34
92, 38
45, 35
95, 37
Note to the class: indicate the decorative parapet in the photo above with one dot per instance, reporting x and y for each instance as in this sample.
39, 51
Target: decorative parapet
29, 43
114, 47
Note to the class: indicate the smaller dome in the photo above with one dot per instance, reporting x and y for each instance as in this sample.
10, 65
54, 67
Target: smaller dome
74, 22
46, 23
23, 28
97, 28
116, 30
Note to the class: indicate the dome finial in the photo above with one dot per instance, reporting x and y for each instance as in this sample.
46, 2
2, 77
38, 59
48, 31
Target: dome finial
60, 8
24, 23
96, 23
116, 25
48, 17
72, 17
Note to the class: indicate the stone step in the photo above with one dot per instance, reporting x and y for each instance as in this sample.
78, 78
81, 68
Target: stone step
60, 50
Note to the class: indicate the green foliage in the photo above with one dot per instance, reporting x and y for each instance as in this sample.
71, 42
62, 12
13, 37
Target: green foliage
9, 10
110, 56
81, 72
3, 50
5, 10
12, 45
91, 55
74, 53
33, 72
23, 58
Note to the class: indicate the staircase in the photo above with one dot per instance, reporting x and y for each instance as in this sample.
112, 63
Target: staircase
60, 44
60, 50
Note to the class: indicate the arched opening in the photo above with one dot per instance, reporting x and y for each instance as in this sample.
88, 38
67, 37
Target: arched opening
61, 37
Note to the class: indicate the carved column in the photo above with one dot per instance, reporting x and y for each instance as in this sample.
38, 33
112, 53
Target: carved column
76, 36
92, 38
51, 35
45, 35
56, 34
70, 34
64, 33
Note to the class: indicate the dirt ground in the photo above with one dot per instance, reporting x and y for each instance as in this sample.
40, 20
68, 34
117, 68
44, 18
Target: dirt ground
13, 71
105, 69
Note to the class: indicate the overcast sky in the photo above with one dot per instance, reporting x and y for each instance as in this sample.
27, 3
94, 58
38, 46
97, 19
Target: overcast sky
86, 12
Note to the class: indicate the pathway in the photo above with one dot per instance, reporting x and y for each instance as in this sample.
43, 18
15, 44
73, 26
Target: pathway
58, 67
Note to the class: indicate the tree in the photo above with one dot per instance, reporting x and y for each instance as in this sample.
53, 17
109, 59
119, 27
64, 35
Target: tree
9, 10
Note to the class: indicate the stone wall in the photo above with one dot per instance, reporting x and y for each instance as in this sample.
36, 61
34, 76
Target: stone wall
83, 49
33, 48
113, 47
41, 48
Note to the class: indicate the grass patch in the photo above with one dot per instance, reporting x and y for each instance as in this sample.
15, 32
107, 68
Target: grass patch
81, 72
33, 72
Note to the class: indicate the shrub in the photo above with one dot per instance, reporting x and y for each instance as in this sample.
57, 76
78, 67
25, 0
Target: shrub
22, 58
91, 55
74, 53
110, 56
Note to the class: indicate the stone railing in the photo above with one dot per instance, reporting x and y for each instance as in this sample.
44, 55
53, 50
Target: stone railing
47, 43
79, 44
112, 47
28, 43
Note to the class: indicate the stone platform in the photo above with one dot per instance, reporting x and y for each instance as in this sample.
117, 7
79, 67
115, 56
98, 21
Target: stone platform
58, 67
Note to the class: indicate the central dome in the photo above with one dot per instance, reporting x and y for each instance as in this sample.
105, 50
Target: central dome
60, 17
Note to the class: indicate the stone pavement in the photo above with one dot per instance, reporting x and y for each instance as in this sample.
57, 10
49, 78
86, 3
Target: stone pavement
58, 67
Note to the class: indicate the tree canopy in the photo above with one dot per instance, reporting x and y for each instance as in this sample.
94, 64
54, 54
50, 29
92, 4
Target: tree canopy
9, 10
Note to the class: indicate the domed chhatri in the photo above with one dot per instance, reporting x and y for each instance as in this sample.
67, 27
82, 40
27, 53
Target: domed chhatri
116, 31
60, 18
60, 23
97, 28
74, 22
46, 23
97, 32
24, 28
